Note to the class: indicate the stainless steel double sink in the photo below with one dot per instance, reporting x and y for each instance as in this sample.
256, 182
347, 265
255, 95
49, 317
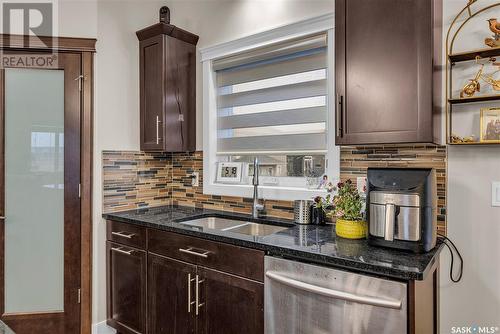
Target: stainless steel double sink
234, 226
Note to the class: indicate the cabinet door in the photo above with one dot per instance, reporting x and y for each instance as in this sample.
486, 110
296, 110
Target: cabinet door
180, 96
384, 71
170, 296
152, 88
126, 278
229, 304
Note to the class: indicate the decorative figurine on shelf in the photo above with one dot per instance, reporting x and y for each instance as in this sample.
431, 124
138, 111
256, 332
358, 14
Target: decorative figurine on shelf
489, 78
455, 139
495, 29
473, 86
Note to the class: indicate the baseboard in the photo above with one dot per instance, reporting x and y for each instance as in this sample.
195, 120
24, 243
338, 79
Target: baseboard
102, 328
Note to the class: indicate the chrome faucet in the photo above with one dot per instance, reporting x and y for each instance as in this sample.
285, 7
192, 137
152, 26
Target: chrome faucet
257, 208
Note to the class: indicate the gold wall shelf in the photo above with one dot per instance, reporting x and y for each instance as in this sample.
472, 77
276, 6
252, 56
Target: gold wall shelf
475, 99
471, 55
460, 20
476, 143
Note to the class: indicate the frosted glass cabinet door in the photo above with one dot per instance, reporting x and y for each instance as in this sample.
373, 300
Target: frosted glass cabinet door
34, 190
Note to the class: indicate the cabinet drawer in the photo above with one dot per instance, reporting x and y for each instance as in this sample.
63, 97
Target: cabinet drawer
126, 234
228, 258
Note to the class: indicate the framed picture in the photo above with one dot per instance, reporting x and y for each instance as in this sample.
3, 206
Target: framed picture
229, 172
490, 125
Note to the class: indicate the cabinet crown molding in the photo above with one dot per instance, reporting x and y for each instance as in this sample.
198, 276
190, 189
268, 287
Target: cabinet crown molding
169, 30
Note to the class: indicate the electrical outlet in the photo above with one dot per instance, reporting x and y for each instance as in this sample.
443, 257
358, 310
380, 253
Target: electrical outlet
495, 193
195, 181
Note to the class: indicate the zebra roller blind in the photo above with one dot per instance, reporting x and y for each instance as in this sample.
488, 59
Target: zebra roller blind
273, 99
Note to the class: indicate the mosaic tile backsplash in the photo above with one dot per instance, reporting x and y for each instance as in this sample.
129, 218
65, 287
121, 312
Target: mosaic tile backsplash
135, 179
138, 179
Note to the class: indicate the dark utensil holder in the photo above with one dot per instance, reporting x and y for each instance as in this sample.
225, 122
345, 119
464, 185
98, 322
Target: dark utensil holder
318, 216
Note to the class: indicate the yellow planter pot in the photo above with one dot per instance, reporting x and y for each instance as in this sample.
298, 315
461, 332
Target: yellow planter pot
351, 229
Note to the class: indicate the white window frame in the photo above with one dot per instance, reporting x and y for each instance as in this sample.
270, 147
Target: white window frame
324, 23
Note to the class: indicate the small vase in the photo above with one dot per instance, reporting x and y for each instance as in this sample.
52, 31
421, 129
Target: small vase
351, 229
318, 216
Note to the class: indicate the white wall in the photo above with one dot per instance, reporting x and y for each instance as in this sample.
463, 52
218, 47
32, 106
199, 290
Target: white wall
74, 18
77, 18
474, 226
473, 223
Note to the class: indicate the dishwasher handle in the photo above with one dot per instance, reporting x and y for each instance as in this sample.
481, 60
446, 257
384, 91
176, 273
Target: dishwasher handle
387, 303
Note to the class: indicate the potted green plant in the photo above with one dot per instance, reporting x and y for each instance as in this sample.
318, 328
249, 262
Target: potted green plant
348, 209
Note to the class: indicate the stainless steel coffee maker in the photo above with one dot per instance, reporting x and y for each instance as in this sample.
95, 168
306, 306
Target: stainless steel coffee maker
402, 208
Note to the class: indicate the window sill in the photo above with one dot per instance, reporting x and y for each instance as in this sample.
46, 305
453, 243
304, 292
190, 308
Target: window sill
265, 192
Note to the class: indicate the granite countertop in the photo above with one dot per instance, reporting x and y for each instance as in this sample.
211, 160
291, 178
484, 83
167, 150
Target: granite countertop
4, 329
309, 243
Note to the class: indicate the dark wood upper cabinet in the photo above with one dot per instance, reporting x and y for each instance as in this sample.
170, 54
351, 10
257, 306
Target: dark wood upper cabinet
167, 61
126, 288
387, 63
171, 289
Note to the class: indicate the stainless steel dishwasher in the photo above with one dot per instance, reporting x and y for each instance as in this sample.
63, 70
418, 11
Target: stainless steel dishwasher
308, 299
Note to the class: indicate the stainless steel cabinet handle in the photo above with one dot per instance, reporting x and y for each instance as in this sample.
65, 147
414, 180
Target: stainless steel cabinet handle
340, 115
388, 303
120, 250
190, 251
123, 235
2, 217
157, 130
197, 294
189, 293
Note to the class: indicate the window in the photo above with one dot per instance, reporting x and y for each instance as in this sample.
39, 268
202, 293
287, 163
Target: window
272, 102
273, 99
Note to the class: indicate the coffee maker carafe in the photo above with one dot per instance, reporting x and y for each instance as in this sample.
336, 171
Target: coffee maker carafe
402, 208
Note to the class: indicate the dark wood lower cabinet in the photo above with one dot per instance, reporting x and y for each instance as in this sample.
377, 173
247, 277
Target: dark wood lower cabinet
170, 289
126, 290
161, 290
230, 304
225, 303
